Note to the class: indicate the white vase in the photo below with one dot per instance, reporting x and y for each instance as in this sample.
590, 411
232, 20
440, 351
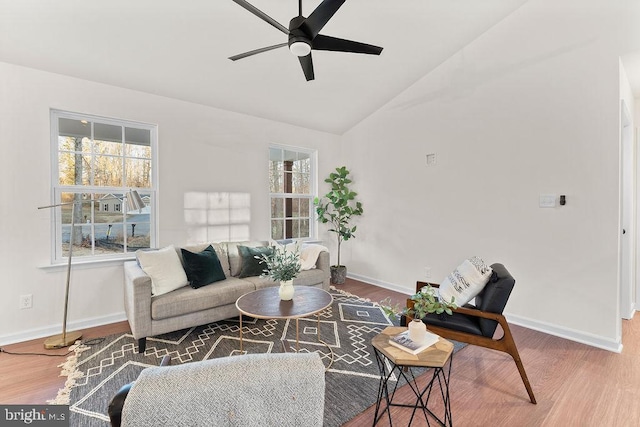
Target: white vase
286, 290
417, 330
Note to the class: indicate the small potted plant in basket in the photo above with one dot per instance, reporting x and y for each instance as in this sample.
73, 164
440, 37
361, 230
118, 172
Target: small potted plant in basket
425, 301
282, 266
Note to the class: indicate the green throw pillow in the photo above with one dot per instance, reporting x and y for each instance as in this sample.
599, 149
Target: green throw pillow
202, 268
251, 266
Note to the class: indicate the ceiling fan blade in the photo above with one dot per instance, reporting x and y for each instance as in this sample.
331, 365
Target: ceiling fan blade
341, 45
260, 14
256, 51
307, 66
321, 15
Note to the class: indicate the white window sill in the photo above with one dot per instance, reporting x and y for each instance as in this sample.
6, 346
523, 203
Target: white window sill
92, 263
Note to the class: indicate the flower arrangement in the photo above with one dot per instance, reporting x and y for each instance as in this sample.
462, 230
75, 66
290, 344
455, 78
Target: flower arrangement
425, 301
281, 265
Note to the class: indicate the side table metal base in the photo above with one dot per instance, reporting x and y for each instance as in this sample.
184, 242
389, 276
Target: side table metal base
387, 391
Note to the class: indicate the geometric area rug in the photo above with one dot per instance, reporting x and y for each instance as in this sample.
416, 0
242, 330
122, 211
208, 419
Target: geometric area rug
347, 326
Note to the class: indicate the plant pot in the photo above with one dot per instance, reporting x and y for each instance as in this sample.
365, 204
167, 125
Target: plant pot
338, 274
417, 330
286, 290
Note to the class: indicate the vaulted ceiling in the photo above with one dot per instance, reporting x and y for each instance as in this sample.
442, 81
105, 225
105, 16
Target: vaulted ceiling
180, 49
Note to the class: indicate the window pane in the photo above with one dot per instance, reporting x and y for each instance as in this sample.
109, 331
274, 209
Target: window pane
108, 147
108, 171
276, 177
83, 227
277, 207
275, 155
295, 207
74, 128
303, 164
68, 143
304, 207
139, 225
301, 183
277, 229
290, 156
138, 142
304, 228
74, 169
295, 228
138, 173
105, 207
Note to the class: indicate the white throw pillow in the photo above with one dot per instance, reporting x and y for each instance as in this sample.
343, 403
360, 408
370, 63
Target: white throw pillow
466, 281
164, 268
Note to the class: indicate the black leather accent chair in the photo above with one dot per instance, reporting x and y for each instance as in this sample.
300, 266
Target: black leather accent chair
476, 325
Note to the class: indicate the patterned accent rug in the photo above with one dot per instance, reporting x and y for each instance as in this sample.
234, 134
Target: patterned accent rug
347, 327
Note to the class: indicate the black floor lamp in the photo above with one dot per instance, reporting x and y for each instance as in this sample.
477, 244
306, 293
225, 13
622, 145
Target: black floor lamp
134, 202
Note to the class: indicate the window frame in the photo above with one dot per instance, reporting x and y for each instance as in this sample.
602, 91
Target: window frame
313, 187
57, 189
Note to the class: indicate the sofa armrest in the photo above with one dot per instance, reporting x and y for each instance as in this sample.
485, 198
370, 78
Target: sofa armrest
137, 299
323, 263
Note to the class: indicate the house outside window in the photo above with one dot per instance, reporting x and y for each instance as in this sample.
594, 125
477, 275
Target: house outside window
96, 161
292, 184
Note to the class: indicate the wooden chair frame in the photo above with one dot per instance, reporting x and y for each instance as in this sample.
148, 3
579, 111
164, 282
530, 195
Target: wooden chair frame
505, 343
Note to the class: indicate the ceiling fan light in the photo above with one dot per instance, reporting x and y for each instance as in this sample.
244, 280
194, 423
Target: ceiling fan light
300, 48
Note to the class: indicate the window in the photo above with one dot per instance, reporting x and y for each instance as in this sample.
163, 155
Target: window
292, 182
96, 162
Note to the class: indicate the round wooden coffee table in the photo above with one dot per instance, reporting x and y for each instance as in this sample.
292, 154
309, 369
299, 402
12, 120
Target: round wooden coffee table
266, 304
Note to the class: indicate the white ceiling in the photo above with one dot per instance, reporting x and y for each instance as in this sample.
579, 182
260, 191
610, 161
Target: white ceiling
179, 49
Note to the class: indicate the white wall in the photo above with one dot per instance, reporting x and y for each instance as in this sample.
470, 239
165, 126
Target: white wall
200, 149
531, 107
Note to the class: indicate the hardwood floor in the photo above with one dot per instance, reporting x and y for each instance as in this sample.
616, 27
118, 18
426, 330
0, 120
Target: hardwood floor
575, 385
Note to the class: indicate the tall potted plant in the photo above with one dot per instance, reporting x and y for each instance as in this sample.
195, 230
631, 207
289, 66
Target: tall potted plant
337, 207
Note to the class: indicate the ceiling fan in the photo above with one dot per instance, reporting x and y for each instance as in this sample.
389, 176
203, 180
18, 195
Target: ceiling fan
304, 35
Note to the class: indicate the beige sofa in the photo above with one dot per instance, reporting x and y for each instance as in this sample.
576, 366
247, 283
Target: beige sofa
186, 307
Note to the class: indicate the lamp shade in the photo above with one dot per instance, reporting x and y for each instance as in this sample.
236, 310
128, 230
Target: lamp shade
134, 201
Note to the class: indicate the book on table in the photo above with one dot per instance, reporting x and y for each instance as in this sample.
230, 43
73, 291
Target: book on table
403, 342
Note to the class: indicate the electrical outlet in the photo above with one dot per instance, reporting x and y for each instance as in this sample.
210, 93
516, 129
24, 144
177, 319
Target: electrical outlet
427, 272
26, 301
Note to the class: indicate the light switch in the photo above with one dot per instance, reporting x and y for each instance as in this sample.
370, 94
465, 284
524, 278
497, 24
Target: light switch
547, 201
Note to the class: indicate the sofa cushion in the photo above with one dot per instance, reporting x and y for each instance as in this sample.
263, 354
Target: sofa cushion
465, 282
202, 268
188, 300
164, 268
221, 252
251, 266
235, 262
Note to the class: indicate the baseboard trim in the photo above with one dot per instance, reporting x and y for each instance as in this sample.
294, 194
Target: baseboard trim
34, 334
547, 328
381, 284
566, 333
